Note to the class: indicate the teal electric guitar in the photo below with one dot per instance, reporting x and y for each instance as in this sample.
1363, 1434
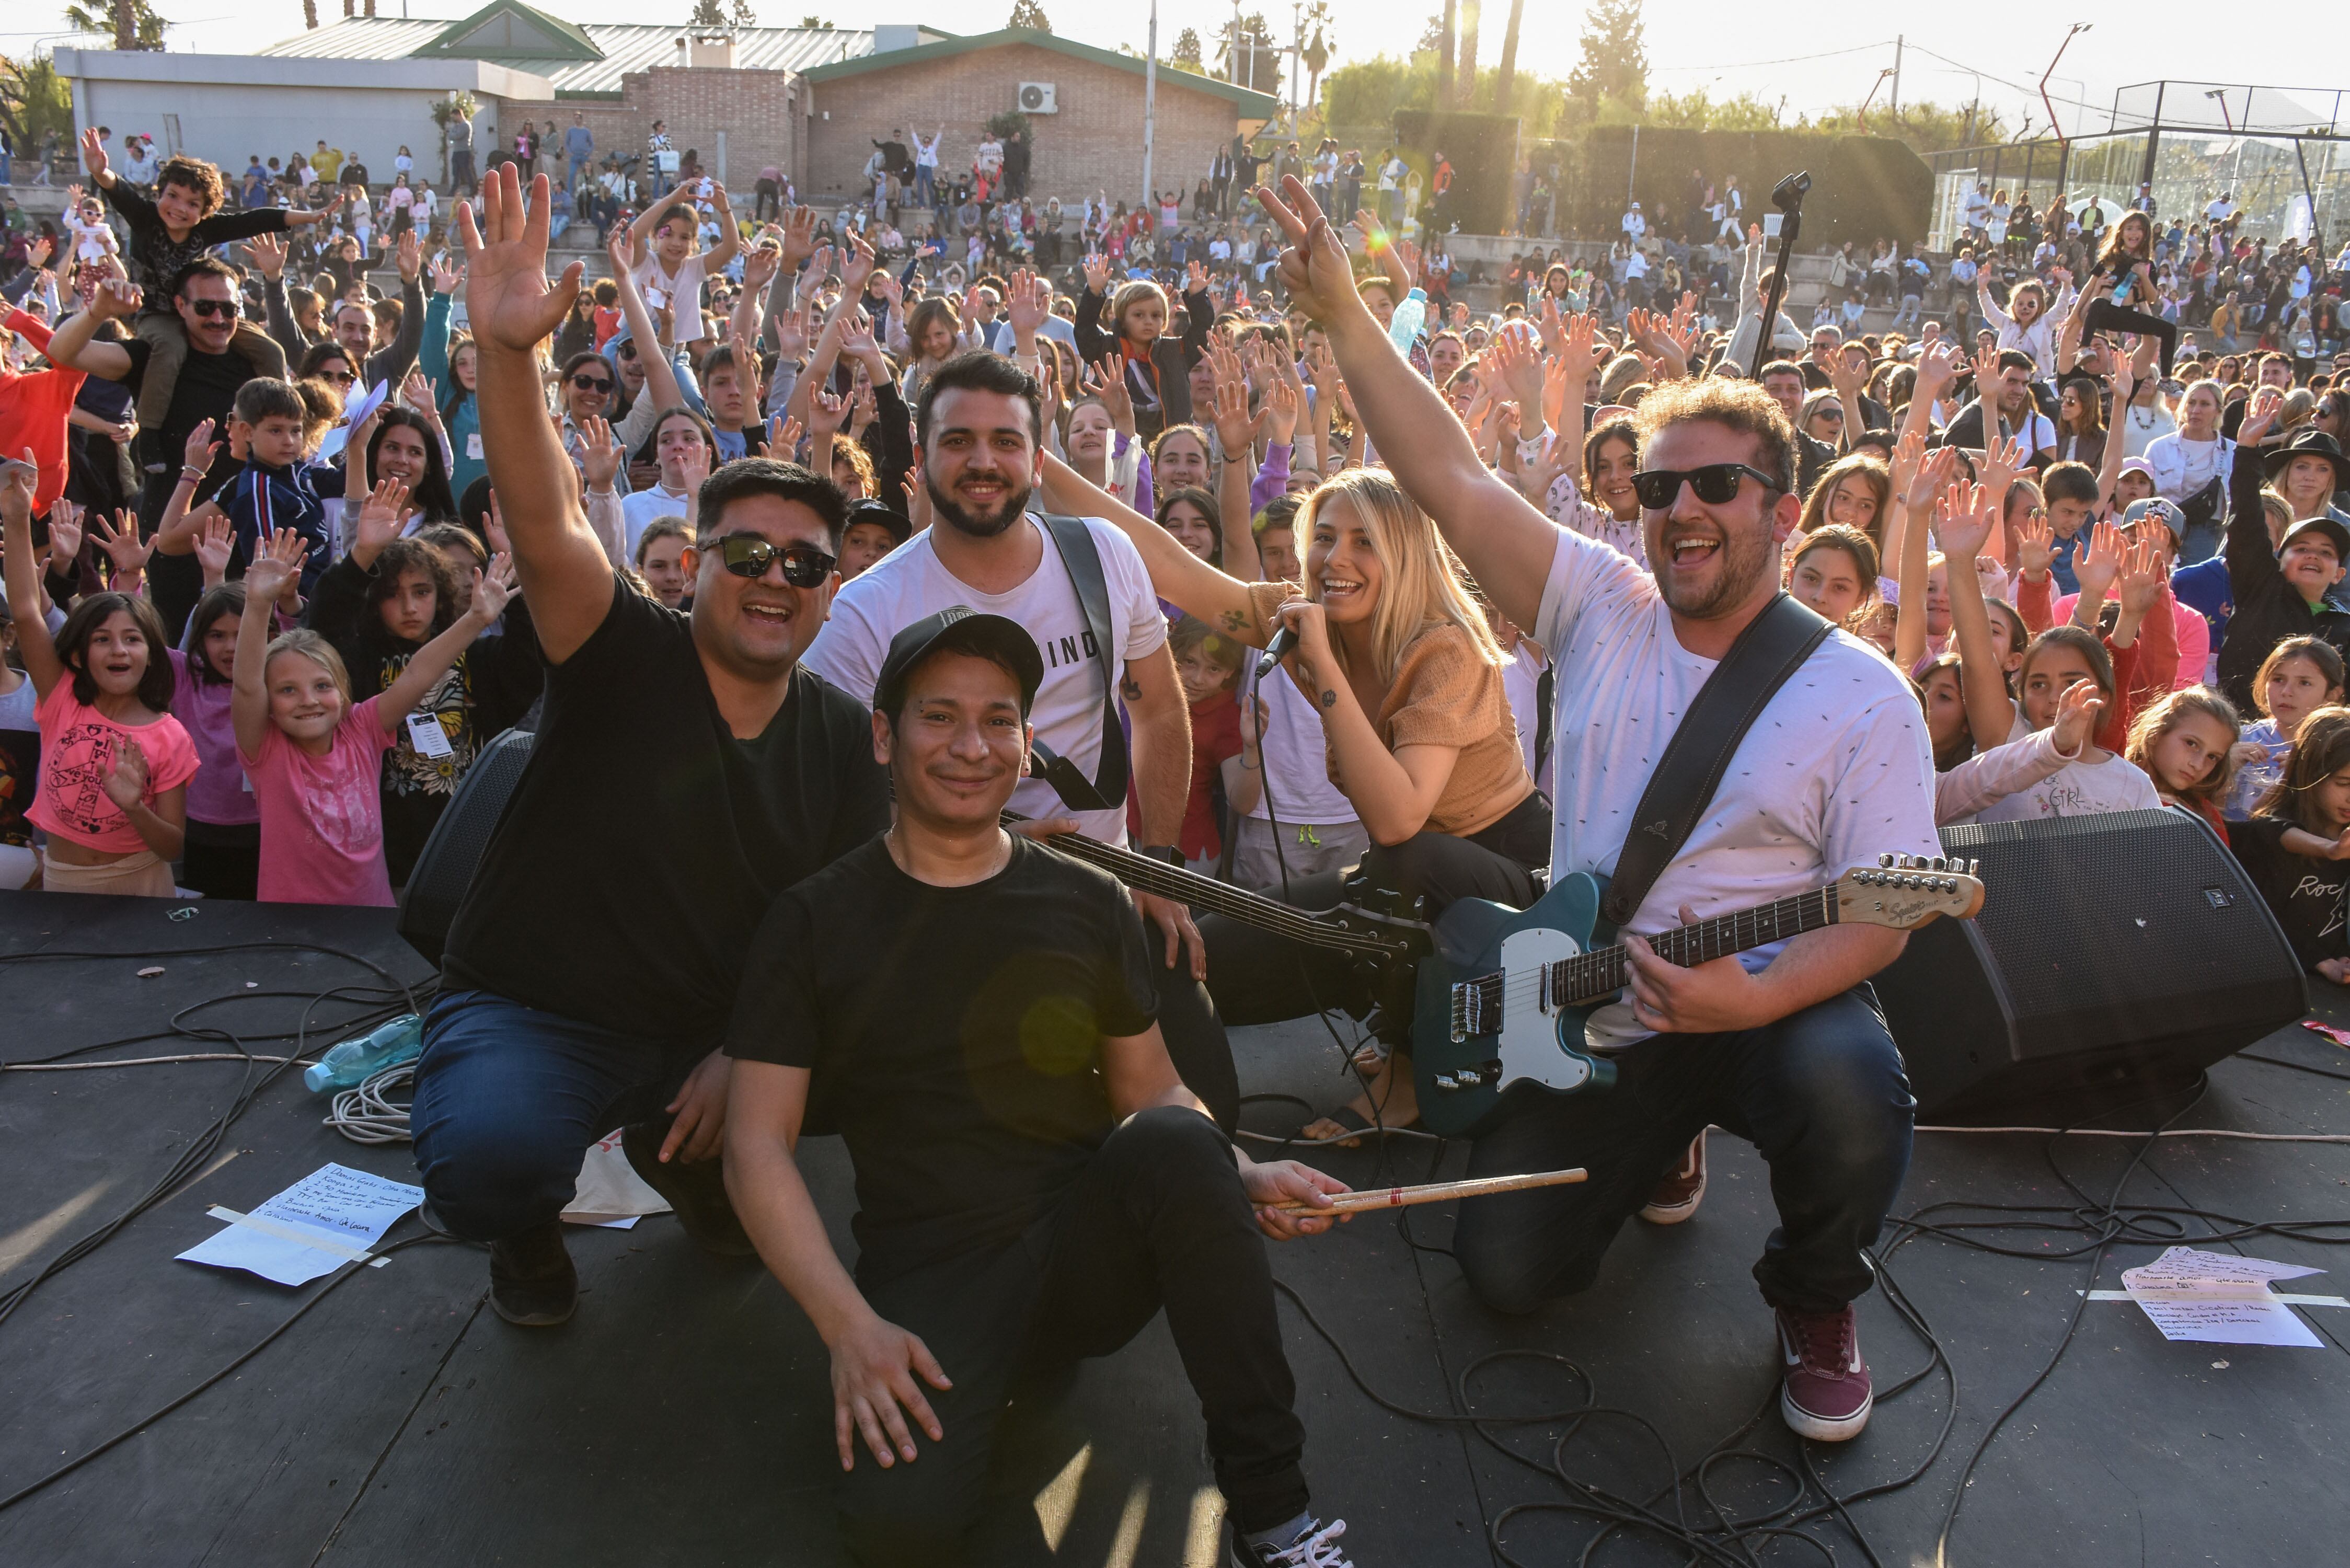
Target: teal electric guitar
1502, 999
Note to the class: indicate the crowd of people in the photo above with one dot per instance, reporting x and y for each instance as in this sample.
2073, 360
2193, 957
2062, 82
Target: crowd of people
836, 545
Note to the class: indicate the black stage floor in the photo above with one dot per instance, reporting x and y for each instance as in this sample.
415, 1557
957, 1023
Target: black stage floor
683, 1416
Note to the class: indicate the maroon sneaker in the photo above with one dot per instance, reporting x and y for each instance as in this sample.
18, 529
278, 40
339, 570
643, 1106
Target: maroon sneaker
1826, 1394
1682, 1190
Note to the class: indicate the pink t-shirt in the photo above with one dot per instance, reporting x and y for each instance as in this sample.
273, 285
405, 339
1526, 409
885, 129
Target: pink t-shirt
322, 818
2194, 639
217, 794
77, 749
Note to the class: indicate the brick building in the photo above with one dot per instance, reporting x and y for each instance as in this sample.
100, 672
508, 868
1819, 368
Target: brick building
1088, 140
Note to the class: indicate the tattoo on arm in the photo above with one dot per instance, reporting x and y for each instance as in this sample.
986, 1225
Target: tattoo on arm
1235, 621
1329, 699
1131, 688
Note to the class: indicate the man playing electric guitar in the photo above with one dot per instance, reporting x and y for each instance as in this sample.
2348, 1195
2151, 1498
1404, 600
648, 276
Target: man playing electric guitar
1783, 1043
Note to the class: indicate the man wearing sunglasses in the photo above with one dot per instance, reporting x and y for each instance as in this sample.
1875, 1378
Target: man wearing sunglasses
1783, 1045
590, 973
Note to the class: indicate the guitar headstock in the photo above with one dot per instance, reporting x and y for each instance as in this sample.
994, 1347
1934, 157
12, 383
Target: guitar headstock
1905, 891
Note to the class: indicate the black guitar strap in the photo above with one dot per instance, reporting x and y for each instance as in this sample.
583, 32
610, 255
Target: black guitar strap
1773, 647
1107, 789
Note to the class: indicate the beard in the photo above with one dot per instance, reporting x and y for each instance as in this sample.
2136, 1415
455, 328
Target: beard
978, 524
1747, 559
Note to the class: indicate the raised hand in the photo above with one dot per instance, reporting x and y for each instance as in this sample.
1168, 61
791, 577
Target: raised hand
120, 541
600, 452
380, 518
93, 155
493, 589
268, 254
200, 448
2099, 560
1280, 401
409, 256
759, 268
214, 545
65, 534
448, 274
1314, 268
2035, 547
783, 436
2258, 417
419, 394
126, 778
1963, 519
695, 467
2076, 717
1195, 278
116, 300
508, 300
2143, 576
493, 529
276, 566
827, 414
1510, 360
859, 264
1030, 302
1108, 384
2003, 460
856, 333
1235, 431
1096, 271
1937, 369
799, 235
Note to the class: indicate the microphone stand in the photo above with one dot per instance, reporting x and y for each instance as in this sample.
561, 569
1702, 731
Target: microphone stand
1791, 221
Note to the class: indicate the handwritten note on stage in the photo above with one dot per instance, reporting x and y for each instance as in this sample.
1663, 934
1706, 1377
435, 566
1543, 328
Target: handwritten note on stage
2218, 1298
313, 1228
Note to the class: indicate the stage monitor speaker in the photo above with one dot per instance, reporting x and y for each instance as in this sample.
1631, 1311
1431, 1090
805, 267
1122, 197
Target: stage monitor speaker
444, 869
2116, 956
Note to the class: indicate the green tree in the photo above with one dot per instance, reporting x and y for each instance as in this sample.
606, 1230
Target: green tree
1505, 79
1186, 56
1260, 56
133, 23
1031, 14
712, 14
1610, 82
1315, 55
34, 101
1694, 110
814, 23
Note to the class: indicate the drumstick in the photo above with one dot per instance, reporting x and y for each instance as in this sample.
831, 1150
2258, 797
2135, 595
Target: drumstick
1430, 1192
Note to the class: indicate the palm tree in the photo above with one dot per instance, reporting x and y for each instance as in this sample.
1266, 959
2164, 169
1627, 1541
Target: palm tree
1505, 73
1445, 52
1316, 54
1464, 79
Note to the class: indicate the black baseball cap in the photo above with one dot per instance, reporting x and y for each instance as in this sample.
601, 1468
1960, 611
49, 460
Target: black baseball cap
872, 511
959, 628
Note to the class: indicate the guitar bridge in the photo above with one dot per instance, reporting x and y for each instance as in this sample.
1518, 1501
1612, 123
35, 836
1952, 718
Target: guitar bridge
1476, 1008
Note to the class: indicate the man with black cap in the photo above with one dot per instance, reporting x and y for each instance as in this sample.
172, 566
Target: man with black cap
2280, 590
975, 1013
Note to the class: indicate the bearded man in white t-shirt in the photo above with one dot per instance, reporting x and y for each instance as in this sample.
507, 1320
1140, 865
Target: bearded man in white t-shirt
976, 433
1785, 1044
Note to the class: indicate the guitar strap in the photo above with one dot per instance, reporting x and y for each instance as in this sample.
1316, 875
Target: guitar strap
1107, 789
1773, 646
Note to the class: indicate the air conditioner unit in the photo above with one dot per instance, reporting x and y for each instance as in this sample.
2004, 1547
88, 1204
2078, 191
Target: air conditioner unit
1037, 97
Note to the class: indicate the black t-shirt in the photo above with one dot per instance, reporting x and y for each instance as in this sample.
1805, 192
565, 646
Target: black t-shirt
206, 389
645, 842
953, 1035
2304, 893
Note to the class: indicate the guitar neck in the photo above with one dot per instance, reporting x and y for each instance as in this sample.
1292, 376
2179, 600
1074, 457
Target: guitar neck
1156, 876
1590, 976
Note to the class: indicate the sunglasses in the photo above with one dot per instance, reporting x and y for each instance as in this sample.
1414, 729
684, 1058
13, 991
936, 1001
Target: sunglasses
749, 555
211, 308
340, 378
591, 384
1715, 483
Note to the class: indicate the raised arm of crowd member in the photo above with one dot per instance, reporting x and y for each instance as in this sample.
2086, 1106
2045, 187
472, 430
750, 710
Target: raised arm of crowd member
799, 243
599, 464
267, 252
660, 390
1915, 481
2124, 377
1963, 521
391, 363
75, 347
1936, 369
513, 309
847, 316
1233, 483
1506, 543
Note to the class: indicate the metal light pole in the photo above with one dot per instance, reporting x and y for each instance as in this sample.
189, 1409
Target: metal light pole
1149, 123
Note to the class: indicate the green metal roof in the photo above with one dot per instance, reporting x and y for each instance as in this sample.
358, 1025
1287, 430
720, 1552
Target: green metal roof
508, 29
1249, 103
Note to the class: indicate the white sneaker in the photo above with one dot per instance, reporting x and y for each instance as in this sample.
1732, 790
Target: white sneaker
1315, 1547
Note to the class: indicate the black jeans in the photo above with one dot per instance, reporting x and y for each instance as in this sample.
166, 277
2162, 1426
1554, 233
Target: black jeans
1822, 1095
1157, 1219
1256, 977
2104, 314
1194, 1034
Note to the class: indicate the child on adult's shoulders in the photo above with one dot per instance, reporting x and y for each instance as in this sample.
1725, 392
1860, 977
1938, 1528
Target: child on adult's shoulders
2294, 845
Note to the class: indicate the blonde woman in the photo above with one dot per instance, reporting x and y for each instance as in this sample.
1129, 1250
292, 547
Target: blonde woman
1398, 660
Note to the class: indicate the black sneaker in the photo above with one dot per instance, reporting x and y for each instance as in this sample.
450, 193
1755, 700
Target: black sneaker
532, 1281
697, 1192
1316, 1546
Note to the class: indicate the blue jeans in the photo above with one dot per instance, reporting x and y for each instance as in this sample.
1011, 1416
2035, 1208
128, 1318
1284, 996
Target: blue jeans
1822, 1095
508, 1098
578, 166
925, 185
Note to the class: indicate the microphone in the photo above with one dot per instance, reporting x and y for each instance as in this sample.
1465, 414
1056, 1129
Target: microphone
1281, 643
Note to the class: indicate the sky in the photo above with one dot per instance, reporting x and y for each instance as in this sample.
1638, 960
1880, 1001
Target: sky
1725, 47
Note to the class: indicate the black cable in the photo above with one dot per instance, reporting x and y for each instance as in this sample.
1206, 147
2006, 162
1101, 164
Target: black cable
348, 1271
2296, 1066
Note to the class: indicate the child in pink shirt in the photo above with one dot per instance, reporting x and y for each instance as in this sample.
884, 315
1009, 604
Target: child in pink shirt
314, 757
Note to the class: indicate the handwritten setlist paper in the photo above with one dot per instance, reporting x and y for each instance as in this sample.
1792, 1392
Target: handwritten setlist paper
328, 1219
2218, 1298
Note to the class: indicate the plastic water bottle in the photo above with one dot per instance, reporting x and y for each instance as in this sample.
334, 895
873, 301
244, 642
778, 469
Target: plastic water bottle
354, 1062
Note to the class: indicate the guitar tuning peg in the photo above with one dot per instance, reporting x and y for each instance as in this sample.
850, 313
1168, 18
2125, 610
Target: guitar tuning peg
1941, 863
1974, 866
1885, 862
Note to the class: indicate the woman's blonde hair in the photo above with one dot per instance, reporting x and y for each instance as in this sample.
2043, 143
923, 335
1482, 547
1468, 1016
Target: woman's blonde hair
315, 649
1425, 586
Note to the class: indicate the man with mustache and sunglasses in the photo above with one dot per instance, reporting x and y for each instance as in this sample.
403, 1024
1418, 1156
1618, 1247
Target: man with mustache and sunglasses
1783, 1044
590, 973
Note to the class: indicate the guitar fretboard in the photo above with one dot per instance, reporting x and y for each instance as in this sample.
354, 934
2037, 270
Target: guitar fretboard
1589, 976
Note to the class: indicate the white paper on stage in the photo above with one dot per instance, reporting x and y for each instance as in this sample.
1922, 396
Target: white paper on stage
609, 1192
2218, 1298
328, 1219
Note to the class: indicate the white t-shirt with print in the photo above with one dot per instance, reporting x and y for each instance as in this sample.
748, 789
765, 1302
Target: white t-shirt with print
1835, 771
910, 582
1295, 755
681, 291
2079, 789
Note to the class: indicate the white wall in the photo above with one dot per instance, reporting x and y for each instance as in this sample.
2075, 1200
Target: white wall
231, 107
